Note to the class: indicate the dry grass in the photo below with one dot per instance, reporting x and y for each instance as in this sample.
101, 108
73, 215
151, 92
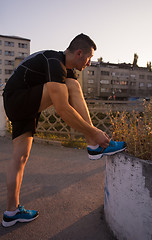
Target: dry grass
135, 129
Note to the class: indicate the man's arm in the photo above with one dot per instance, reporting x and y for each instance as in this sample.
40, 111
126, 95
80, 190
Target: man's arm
59, 96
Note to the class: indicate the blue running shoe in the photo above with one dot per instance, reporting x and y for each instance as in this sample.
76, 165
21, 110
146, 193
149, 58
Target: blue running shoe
95, 154
22, 215
114, 147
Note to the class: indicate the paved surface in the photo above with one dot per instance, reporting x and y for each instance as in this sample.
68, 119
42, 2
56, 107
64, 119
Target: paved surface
67, 189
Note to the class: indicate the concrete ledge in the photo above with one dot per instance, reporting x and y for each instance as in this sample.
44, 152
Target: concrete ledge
47, 141
128, 197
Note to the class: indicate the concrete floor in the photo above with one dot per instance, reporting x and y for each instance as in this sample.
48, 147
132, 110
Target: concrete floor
67, 189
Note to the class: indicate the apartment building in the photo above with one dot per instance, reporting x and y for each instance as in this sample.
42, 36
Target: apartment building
116, 81
12, 51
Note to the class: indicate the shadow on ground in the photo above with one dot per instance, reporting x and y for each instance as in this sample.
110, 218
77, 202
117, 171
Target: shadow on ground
90, 227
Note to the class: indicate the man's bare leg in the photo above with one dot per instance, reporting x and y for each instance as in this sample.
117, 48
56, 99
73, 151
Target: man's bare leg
21, 150
77, 100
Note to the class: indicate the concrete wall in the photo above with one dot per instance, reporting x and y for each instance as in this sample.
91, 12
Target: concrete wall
128, 197
2, 115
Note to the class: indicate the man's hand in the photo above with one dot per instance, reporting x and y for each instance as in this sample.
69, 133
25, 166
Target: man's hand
99, 137
102, 139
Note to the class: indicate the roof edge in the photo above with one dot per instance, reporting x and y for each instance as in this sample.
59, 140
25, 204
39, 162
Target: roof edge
15, 37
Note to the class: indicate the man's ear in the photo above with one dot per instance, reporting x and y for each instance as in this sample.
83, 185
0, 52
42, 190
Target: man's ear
79, 53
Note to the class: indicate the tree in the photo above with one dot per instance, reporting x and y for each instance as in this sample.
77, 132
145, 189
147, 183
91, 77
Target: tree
149, 67
100, 60
135, 60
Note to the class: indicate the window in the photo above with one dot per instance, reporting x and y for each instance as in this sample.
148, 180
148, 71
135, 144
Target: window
9, 44
8, 71
141, 76
9, 53
149, 77
104, 81
132, 91
9, 62
90, 72
126, 75
117, 82
117, 74
22, 45
0, 52
0, 42
132, 83
90, 81
123, 83
21, 54
0, 61
124, 90
90, 90
133, 76
0, 71
105, 73
141, 84
105, 89
149, 85
118, 90
6, 79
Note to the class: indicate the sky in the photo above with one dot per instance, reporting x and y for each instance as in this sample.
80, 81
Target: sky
119, 28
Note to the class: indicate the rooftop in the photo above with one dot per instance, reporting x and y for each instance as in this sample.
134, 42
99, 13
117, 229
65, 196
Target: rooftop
124, 65
14, 37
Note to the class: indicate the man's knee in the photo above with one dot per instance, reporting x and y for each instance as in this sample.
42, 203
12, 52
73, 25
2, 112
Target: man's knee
73, 85
21, 149
20, 159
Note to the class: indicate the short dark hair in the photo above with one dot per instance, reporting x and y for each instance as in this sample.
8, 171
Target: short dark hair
83, 42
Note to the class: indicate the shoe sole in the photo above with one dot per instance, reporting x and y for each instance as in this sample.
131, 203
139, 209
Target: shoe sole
9, 224
97, 157
112, 153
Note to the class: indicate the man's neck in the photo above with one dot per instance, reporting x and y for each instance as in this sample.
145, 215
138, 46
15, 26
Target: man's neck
69, 59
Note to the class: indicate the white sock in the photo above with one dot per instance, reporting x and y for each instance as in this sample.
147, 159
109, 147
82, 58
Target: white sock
11, 213
93, 147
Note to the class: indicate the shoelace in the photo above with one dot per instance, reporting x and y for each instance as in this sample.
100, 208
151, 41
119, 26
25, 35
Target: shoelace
112, 144
22, 209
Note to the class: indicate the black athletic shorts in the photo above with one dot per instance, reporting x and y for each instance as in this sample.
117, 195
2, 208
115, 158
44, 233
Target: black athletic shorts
23, 91
22, 107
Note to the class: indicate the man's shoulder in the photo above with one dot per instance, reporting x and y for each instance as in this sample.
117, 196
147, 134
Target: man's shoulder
55, 55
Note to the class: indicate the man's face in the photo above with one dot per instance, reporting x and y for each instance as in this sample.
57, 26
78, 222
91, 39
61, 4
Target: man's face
84, 60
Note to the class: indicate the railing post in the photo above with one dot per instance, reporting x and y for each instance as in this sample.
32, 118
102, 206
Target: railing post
2, 115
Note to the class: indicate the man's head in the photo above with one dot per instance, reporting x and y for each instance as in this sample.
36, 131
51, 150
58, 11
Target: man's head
83, 42
82, 48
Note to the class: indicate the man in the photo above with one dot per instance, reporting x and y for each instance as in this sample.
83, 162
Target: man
43, 79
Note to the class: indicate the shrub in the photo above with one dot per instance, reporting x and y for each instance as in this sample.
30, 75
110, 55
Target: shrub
136, 130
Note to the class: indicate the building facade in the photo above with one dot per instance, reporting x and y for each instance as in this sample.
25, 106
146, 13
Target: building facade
12, 51
116, 81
